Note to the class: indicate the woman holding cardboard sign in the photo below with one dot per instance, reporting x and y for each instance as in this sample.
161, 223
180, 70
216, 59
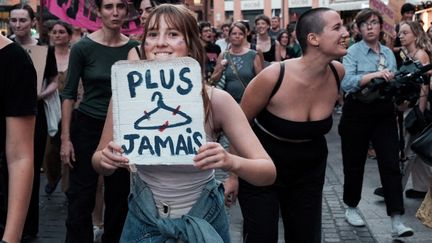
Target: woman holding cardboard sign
22, 19
171, 31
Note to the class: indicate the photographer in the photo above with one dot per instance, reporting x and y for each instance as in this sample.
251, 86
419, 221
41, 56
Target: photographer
368, 116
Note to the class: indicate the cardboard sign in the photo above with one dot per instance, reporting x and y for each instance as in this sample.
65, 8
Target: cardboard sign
389, 16
38, 54
158, 113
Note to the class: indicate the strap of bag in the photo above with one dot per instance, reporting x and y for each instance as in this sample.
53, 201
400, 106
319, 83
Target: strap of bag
234, 68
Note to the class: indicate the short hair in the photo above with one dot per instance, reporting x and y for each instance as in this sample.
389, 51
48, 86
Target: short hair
310, 21
225, 25
276, 17
262, 17
202, 25
407, 7
365, 14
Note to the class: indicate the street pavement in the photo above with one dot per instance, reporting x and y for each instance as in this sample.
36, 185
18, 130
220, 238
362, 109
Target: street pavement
334, 227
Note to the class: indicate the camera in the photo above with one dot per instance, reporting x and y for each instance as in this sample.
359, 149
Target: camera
404, 87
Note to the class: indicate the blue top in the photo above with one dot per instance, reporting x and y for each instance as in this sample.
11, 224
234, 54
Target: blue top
361, 60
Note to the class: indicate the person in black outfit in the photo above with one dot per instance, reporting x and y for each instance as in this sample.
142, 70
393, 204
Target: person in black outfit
263, 42
25, 15
18, 104
212, 50
368, 116
290, 116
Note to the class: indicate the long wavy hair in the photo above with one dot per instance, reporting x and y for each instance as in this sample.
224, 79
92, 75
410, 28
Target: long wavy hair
422, 40
180, 18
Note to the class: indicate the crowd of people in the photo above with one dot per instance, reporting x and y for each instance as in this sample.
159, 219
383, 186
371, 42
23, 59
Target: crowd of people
268, 94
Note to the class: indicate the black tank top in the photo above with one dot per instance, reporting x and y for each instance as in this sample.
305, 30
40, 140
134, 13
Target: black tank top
269, 55
286, 129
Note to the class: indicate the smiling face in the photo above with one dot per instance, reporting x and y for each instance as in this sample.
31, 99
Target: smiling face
59, 35
284, 39
406, 35
333, 38
163, 41
20, 22
261, 27
112, 13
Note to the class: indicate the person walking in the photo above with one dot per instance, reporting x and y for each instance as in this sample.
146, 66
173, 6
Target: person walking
91, 59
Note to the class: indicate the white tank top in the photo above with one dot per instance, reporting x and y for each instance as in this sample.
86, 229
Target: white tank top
178, 186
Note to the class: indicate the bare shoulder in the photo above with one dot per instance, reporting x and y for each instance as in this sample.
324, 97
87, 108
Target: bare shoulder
4, 41
269, 74
422, 56
219, 97
133, 55
339, 68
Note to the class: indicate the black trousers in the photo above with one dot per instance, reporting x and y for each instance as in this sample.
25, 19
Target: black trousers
296, 194
31, 226
359, 124
85, 135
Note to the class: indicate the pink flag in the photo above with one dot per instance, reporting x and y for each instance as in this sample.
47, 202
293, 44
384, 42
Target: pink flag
83, 13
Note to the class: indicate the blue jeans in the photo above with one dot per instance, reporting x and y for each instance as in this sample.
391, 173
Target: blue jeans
205, 222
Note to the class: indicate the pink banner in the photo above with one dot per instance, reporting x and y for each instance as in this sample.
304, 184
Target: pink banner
83, 13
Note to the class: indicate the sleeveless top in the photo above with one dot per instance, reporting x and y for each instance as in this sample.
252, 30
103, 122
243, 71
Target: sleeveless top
245, 67
281, 129
178, 186
270, 55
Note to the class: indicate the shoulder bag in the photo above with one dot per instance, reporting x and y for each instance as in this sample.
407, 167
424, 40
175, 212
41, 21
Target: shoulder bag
234, 68
52, 112
422, 145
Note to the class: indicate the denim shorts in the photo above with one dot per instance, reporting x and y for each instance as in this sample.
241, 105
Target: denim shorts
205, 222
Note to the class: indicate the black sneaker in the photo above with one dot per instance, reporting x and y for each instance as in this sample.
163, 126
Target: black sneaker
411, 193
379, 192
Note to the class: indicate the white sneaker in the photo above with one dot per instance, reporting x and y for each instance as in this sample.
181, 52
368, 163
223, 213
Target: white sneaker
353, 217
400, 230
97, 234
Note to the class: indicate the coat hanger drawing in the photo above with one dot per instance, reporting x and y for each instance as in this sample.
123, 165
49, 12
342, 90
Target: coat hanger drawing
160, 106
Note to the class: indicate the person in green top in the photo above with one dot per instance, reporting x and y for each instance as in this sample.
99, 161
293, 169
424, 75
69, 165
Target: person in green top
90, 60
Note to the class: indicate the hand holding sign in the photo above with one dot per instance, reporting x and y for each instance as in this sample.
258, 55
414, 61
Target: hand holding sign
213, 156
111, 157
